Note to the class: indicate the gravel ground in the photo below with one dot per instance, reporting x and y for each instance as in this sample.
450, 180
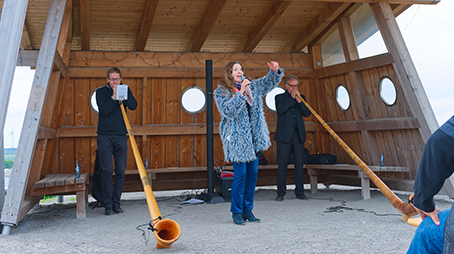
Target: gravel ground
333, 220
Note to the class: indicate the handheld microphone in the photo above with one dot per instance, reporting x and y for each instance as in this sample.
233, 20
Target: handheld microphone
243, 78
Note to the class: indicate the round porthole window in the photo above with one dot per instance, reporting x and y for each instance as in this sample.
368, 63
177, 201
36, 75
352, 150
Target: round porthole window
342, 97
193, 100
92, 101
269, 98
387, 91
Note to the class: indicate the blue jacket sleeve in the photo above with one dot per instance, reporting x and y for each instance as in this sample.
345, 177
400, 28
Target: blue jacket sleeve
229, 107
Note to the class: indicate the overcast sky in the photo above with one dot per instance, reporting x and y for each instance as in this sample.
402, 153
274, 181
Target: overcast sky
428, 31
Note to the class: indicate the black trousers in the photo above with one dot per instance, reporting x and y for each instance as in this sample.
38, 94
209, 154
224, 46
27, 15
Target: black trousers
283, 155
118, 147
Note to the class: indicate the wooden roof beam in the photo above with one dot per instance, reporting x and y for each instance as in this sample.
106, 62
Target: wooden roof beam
399, 8
27, 41
85, 23
264, 25
65, 30
206, 24
385, 1
145, 24
316, 26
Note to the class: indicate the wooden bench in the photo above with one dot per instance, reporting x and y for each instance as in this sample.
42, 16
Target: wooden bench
55, 184
314, 170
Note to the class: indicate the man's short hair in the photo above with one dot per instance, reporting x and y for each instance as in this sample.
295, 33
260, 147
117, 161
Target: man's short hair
291, 77
113, 70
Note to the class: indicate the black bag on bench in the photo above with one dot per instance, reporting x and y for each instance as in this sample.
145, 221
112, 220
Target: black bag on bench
322, 158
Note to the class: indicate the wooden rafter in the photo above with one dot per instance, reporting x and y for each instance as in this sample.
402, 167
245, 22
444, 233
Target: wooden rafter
206, 24
386, 1
347, 39
264, 25
145, 24
27, 40
85, 23
399, 8
316, 26
65, 28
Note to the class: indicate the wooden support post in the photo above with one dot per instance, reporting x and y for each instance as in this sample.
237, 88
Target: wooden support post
11, 26
12, 213
408, 76
2, 170
365, 185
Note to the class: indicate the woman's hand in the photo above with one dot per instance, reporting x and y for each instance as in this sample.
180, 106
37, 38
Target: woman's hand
274, 66
244, 85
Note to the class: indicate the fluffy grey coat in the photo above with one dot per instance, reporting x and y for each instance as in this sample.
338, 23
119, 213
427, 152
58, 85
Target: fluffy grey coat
242, 138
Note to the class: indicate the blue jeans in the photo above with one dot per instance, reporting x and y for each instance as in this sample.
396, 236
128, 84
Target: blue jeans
428, 237
243, 185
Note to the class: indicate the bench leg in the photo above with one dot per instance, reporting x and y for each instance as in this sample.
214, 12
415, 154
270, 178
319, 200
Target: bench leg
81, 197
313, 181
365, 185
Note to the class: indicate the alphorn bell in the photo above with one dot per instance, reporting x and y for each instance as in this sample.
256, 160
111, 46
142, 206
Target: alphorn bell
405, 208
166, 231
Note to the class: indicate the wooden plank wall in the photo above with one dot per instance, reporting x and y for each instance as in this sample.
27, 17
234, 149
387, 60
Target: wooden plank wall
400, 146
173, 140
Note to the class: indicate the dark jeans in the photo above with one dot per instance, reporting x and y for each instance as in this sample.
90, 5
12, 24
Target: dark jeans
116, 146
283, 155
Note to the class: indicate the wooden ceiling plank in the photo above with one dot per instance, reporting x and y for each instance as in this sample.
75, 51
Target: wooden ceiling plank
316, 26
386, 1
145, 24
85, 23
264, 25
206, 24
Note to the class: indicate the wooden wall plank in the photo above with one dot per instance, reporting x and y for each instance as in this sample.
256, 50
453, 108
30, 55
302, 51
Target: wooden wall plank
172, 111
186, 141
183, 59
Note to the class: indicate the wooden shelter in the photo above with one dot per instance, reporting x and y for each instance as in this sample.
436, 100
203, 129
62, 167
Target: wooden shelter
161, 48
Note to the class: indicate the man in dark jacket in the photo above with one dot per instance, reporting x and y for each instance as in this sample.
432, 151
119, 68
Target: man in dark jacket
290, 135
434, 234
112, 140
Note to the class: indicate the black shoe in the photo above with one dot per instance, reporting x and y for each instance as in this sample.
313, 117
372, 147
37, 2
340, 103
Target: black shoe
117, 209
109, 211
279, 198
301, 196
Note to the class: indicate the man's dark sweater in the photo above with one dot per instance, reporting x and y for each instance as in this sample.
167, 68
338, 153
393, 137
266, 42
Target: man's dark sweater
110, 121
437, 164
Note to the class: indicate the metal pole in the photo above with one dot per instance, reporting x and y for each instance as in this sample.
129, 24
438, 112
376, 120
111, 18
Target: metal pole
209, 107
